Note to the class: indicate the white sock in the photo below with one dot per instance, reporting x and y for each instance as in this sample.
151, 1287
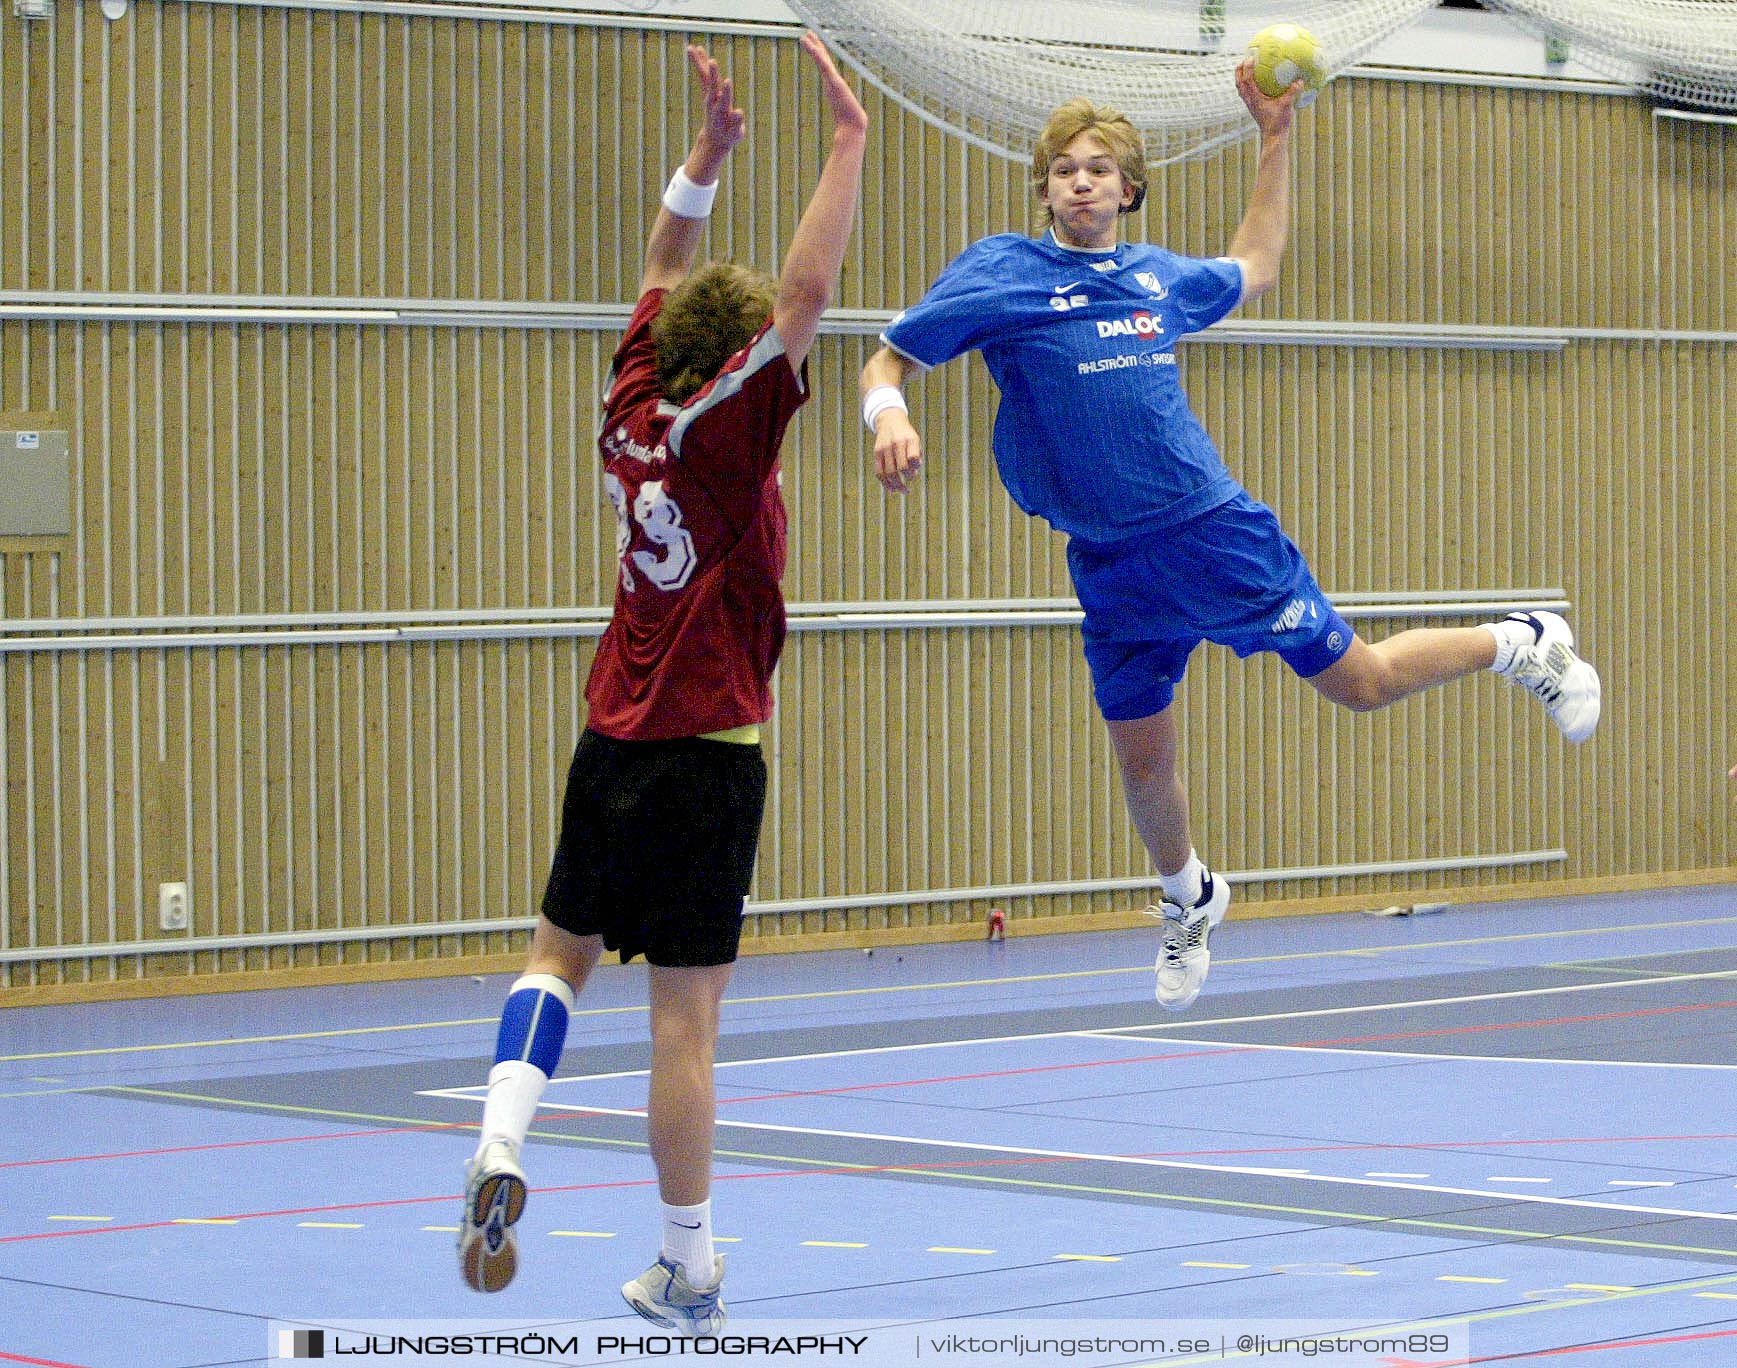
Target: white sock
1185, 886
687, 1240
515, 1088
1510, 636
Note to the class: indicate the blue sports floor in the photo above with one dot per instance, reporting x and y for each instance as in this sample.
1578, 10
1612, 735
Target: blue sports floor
1516, 1121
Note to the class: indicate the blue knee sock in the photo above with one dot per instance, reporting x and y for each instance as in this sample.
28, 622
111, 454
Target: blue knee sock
534, 1022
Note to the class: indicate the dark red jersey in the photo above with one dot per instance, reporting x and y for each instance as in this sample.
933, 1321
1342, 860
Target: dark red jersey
699, 615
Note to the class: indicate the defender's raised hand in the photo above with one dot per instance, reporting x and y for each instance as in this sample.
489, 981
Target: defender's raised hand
847, 110
725, 124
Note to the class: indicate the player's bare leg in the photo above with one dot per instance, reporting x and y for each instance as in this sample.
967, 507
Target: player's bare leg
1194, 901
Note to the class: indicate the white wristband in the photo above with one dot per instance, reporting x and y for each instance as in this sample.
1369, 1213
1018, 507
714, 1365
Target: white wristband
878, 400
683, 198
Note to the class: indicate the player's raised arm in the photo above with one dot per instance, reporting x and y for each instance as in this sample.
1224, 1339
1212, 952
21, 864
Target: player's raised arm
1259, 243
675, 236
898, 448
817, 250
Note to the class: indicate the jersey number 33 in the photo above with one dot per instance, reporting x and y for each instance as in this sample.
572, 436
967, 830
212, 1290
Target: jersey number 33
671, 565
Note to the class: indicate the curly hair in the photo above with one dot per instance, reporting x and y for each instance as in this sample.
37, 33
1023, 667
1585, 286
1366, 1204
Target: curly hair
705, 321
1109, 126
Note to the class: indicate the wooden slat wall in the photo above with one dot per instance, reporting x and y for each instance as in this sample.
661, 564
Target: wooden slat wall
197, 148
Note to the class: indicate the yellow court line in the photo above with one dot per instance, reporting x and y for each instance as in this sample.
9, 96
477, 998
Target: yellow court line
410, 1123
1694, 1287
1000, 1180
260, 1040
328, 1113
1088, 1258
1593, 967
1203, 1263
1350, 952
1644, 1244
832, 1244
53, 1092
1498, 1313
1359, 1217
205, 1220
81, 1218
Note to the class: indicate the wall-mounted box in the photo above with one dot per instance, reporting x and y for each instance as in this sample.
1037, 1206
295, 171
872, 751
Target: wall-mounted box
35, 476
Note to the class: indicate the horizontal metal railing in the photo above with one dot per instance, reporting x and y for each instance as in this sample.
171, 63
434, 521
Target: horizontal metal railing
206, 631
840, 903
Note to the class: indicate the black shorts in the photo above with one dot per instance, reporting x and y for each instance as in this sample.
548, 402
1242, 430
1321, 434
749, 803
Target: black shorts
657, 847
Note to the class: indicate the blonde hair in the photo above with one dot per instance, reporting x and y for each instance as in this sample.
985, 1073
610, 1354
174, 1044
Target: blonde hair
1109, 126
705, 321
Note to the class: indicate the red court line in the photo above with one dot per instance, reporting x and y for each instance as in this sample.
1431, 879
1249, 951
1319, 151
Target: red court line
1219, 1050
840, 1170
304, 1211
990, 1073
542, 1118
1440, 1145
1522, 1025
913, 1082
843, 1170
238, 1144
1015, 1073
555, 1117
44, 1363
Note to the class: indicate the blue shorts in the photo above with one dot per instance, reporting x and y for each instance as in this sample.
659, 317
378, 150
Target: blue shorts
1230, 575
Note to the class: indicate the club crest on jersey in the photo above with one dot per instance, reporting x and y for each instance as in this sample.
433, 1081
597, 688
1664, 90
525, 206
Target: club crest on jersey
1141, 323
1153, 285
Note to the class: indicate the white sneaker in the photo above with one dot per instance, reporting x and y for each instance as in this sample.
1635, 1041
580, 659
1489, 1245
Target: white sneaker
1548, 668
1183, 957
494, 1198
664, 1296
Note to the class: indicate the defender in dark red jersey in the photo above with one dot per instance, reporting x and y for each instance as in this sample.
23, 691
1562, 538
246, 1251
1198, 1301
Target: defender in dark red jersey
661, 820
699, 616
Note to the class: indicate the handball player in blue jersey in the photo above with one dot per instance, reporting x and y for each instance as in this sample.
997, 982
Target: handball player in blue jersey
1166, 550
661, 819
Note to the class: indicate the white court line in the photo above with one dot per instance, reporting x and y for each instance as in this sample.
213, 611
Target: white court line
1128, 1033
472, 1093
1433, 1002
1142, 1161
1119, 1033
478, 1089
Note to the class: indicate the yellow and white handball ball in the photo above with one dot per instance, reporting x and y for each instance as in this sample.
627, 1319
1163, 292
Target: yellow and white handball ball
1285, 52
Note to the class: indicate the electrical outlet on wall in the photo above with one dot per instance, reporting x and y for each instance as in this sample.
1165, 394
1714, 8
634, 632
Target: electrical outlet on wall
172, 910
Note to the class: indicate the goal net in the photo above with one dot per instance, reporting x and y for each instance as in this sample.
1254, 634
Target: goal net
990, 71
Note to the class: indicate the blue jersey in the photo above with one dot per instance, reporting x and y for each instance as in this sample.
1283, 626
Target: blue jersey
1093, 432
